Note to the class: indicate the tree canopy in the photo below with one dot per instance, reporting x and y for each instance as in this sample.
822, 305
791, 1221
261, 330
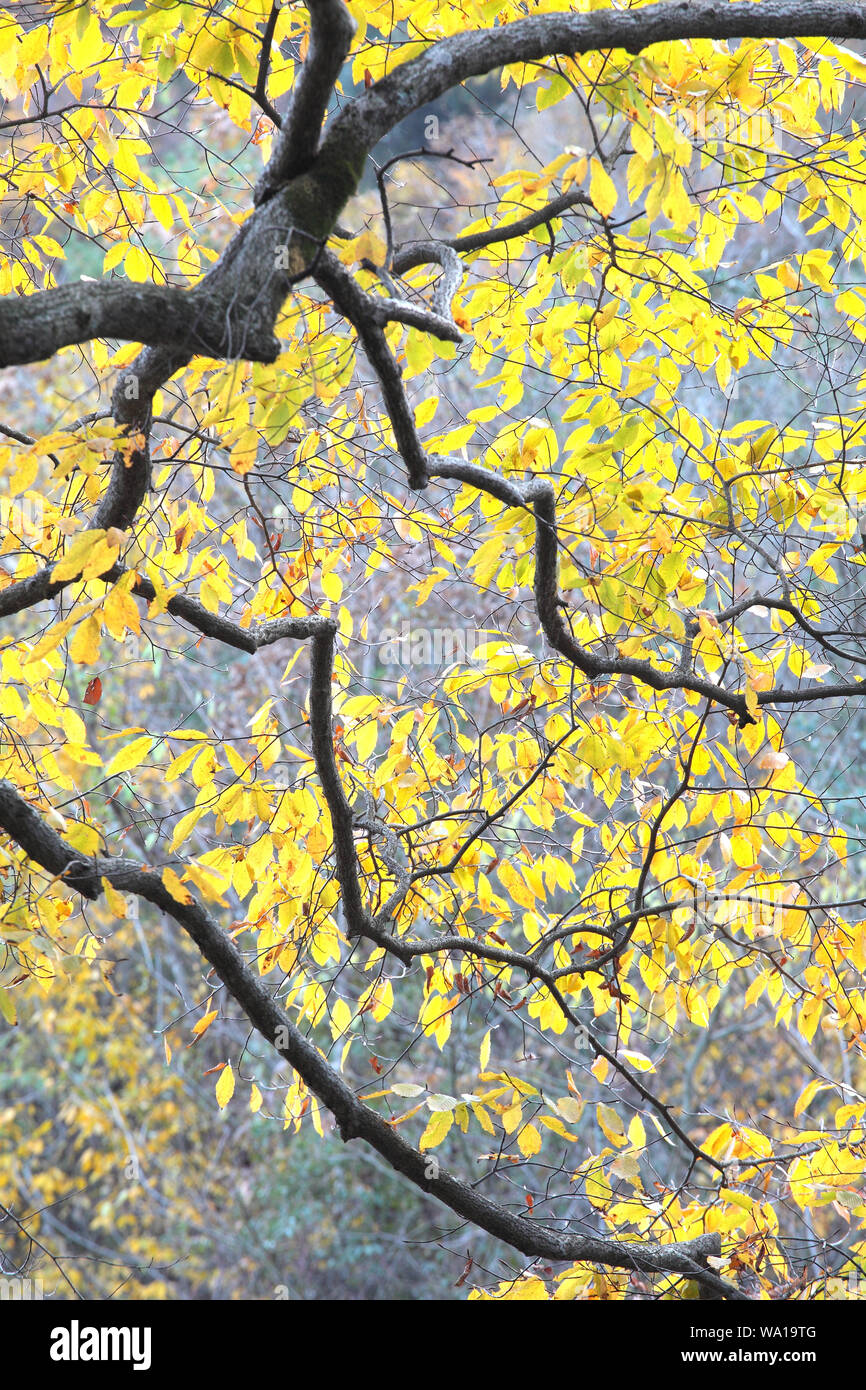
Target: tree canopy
432, 584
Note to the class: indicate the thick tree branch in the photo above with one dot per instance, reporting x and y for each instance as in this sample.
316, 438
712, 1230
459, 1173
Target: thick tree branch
510, 494
473, 53
342, 818
229, 314
332, 29
131, 402
35, 326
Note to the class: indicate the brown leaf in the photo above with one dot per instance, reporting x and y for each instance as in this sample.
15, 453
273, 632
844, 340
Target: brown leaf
466, 1268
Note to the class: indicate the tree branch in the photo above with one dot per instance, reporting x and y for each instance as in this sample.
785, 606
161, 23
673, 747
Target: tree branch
332, 29
354, 1118
420, 252
351, 301
342, 818
440, 252
473, 53
35, 326
229, 314
259, 93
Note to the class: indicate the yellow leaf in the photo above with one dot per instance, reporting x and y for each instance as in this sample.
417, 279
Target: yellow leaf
130, 756
437, 1127
597, 1189
551, 1122
24, 475
76, 556
116, 901
317, 842
570, 1108
53, 637
365, 739
136, 264
636, 1132
184, 826
425, 411
255, 1098
209, 596
121, 612
341, 1017
210, 884
611, 1124
602, 189
367, 247
511, 1117
738, 1198
204, 1022
807, 1095
102, 555
225, 1087
529, 1141
84, 646
175, 887
162, 210
332, 586
483, 1118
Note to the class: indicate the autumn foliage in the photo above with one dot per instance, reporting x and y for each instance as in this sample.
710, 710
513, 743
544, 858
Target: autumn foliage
432, 579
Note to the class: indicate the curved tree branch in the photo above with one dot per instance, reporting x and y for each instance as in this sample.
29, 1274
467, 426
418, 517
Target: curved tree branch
351, 301
354, 1118
342, 818
414, 253
332, 29
473, 53
441, 253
